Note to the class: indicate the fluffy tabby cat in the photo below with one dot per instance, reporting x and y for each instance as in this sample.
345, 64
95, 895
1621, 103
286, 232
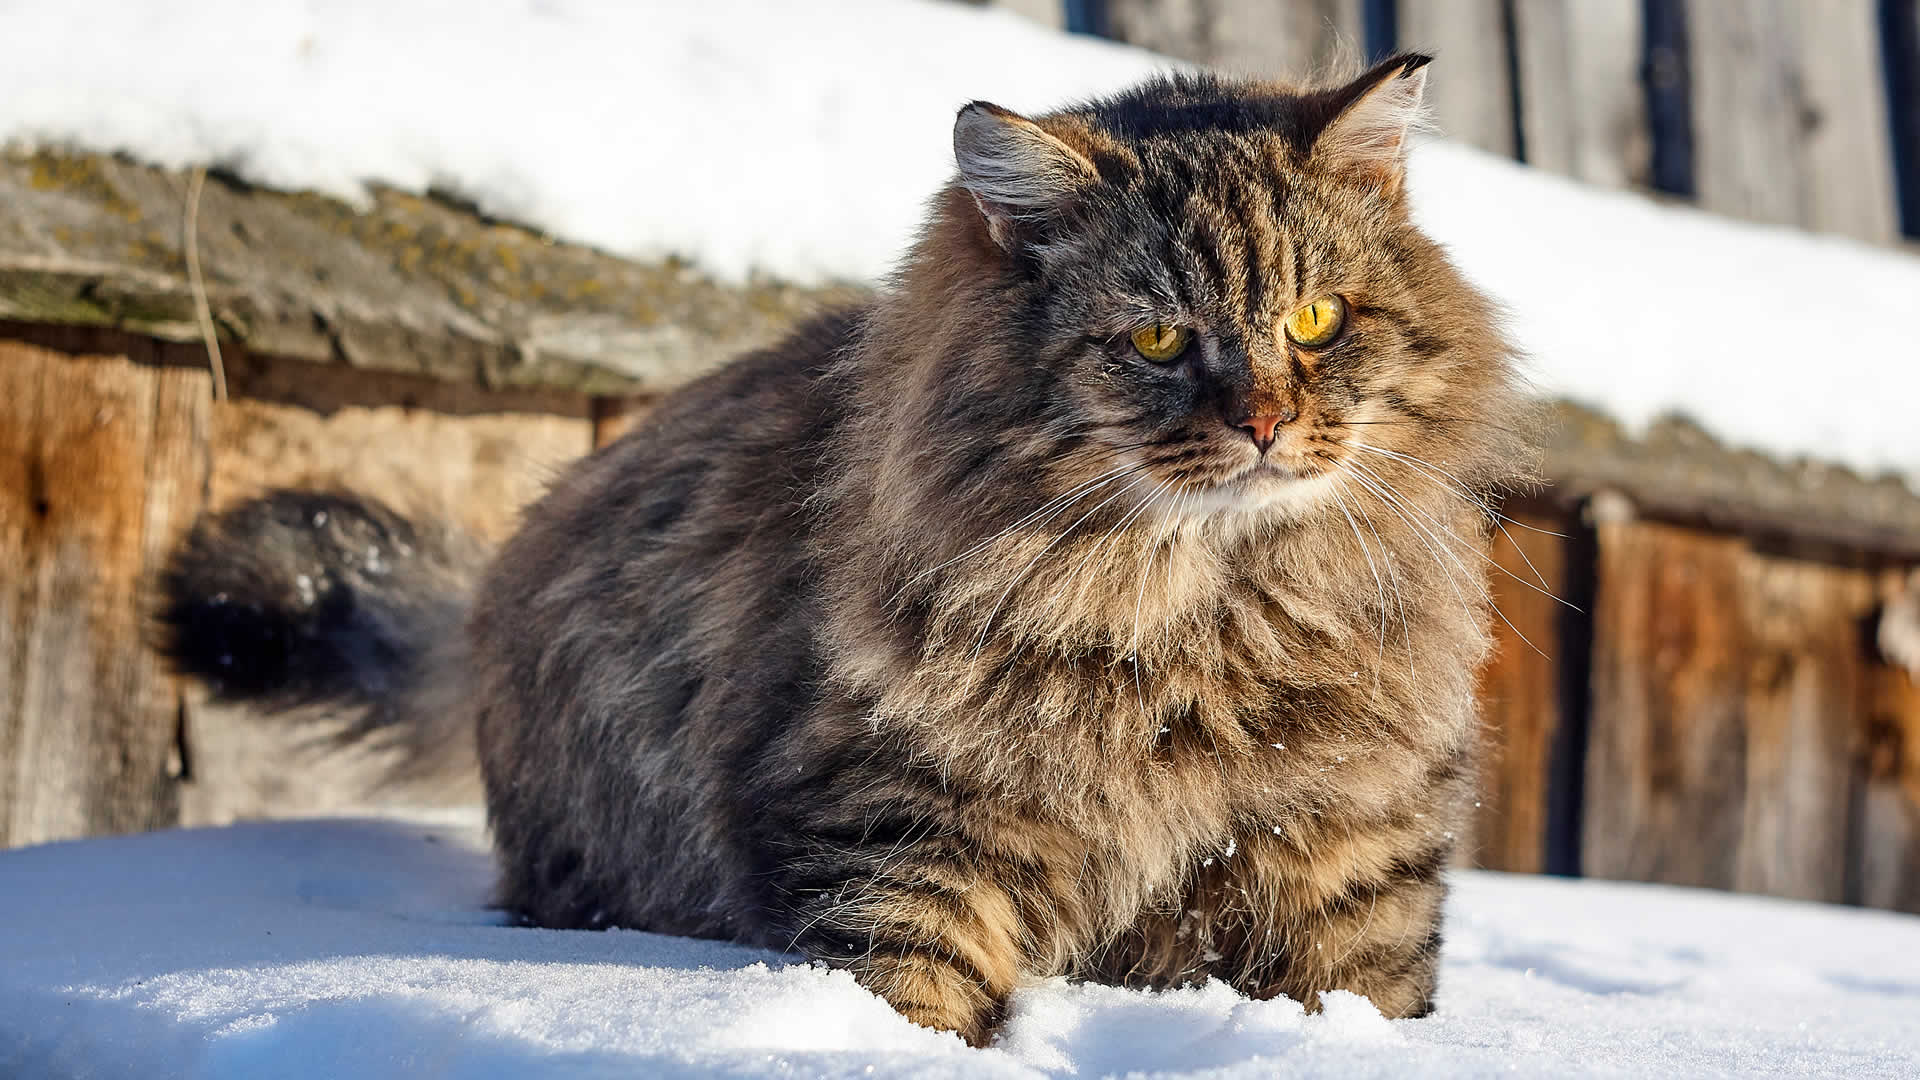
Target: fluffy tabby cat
1104, 599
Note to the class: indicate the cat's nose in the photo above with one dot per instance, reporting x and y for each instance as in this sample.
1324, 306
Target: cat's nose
1263, 428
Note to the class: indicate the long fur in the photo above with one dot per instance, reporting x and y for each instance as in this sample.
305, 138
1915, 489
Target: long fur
953, 642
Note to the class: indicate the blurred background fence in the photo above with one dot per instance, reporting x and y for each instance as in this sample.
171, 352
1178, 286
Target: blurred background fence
1791, 112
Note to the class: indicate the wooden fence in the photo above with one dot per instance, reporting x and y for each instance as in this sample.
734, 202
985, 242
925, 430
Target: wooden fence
1797, 112
1708, 707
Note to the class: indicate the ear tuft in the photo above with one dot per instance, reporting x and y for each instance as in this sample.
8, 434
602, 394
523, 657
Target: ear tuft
1015, 171
1369, 137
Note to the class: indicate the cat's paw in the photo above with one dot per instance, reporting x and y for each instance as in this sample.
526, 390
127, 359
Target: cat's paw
934, 993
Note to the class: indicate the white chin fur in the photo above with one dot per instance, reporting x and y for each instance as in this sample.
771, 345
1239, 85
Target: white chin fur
1261, 495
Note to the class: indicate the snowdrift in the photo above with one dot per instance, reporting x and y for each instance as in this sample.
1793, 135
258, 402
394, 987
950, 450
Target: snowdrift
366, 949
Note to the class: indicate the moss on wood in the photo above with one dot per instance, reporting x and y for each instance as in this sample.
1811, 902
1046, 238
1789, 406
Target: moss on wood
404, 283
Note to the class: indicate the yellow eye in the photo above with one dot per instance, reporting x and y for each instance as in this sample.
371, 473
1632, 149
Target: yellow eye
1160, 342
1317, 323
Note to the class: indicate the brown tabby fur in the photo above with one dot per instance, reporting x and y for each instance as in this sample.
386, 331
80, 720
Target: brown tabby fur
861, 646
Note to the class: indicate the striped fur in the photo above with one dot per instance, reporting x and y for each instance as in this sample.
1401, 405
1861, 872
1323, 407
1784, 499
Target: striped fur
954, 643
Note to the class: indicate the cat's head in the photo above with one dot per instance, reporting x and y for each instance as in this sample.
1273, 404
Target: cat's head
1216, 285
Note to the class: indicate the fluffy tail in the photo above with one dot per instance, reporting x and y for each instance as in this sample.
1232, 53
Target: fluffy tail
302, 599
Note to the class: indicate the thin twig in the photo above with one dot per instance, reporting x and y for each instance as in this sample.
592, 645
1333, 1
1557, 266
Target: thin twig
201, 312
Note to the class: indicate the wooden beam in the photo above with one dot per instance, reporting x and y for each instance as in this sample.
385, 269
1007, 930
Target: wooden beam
105, 461
1519, 695
1731, 690
1790, 122
404, 284
1666, 758
1471, 89
1887, 857
1583, 109
1674, 471
1281, 39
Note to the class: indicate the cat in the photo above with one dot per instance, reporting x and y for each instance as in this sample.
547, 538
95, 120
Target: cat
1104, 599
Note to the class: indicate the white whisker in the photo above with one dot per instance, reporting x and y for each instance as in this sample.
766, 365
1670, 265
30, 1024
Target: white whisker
1463, 490
1153, 552
1392, 493
1489, 559
1434, 472
1100, 544
1418, 534
1393, 575
1059, 504
1379, 585
987, 627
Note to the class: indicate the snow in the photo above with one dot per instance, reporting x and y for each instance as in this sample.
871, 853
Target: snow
1774, 339
802, 141
797, 139
338, 948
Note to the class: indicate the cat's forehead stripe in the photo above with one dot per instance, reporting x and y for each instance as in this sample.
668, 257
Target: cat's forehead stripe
1226, 198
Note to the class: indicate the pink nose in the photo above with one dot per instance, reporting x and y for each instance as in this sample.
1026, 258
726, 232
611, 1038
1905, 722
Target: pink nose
1262, 427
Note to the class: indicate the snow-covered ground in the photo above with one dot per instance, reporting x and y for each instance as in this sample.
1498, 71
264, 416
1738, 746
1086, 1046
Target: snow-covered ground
802, 140
365, 949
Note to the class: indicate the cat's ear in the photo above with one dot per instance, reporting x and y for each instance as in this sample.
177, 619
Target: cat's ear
1376, 116
1017, 174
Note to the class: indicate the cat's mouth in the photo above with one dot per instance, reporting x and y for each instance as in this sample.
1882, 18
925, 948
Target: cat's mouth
1286, 470
1268, 484
1289, 465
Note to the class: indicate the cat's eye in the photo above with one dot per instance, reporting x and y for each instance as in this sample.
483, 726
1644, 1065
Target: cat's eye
1161, 342
1318, 323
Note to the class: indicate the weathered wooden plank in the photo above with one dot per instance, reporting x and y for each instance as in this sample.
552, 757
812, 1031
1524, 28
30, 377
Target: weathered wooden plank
1274, 39
177, 468
92, 718
1583, 108
1471, 89
1749, 117
479, 469
1790, 122
1666, 757
87, 447
1804, 703
1887, 855
1888, 859
1849, 152
1519, 696
1731, 690
20, 507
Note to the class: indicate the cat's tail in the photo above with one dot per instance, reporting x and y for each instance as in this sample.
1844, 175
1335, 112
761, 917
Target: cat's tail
335, 605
